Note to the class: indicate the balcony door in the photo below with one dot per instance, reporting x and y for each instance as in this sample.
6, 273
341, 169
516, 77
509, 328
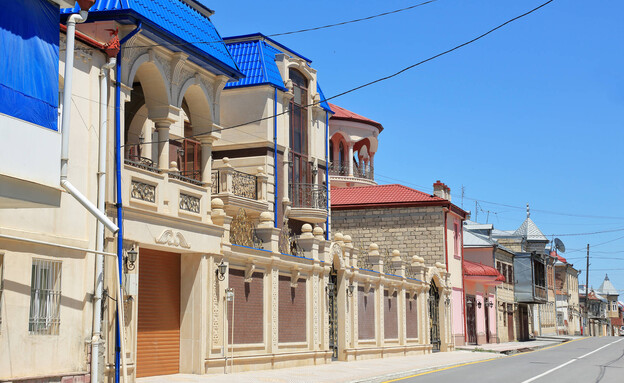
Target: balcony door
471, 319
300, 171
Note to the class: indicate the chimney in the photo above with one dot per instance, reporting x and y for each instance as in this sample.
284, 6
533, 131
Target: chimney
441, 190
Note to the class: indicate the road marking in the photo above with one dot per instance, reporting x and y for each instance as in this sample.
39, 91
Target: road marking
569, 362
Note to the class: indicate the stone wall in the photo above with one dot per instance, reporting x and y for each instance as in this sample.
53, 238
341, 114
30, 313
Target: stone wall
412, 230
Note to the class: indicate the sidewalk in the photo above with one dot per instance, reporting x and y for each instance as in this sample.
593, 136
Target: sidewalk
372, 370
515, 347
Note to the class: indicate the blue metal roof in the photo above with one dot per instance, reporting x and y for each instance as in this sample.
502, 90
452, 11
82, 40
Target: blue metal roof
174, 22
256, 59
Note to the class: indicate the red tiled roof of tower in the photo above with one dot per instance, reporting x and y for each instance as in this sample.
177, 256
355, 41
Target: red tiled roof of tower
344, 114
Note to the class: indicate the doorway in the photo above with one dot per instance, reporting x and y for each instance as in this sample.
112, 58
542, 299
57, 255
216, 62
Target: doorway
434, 317
471, 320
510, 323
332, 294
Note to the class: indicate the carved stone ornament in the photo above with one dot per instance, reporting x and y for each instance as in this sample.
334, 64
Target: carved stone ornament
171, 238
143, 191
336, 252
189, 203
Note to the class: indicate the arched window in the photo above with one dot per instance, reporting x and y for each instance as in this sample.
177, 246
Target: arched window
331, 151
300, 172
342, 166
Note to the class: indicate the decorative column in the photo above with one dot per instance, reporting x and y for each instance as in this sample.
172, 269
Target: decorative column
162, 127
286, 178
206, 158
350, 159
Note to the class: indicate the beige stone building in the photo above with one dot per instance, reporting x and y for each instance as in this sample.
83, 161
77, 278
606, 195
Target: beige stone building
568, 310
419, 225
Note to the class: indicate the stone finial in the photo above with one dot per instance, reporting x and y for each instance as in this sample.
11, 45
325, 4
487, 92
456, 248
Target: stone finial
338, 237
266, 219
306, 231
373, 248
396, 255
259, 170
348, 241
318, 232
173, 166
226, 162
217, 204
440, 266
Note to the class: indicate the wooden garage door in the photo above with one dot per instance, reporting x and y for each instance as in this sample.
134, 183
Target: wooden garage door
158, 336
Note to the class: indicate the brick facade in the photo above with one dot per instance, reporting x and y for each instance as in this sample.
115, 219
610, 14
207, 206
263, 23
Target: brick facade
391, 325
411, 317
411, 230
248, 308
292, 310
366, 314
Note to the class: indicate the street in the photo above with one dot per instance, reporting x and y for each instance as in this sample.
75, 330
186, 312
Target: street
584, 360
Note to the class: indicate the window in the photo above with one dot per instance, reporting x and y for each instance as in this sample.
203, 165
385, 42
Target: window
45, 297
457, 239
299, 129
1, 283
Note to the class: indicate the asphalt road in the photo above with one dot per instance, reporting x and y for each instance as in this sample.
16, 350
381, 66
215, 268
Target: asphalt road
580, 361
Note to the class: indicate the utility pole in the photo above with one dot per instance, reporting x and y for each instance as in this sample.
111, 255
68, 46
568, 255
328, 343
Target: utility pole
586, 293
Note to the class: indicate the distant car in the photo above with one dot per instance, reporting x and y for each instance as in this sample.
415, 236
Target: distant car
622, 331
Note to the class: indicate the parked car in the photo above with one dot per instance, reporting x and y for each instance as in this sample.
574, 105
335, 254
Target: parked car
622, 331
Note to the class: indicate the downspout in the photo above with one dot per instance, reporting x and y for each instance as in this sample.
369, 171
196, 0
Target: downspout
119, 340
275, 190
327, 175
463, 286
99, 239
65, 123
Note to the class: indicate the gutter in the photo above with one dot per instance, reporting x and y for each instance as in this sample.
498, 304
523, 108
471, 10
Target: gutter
120, 340
327, 228
275, 190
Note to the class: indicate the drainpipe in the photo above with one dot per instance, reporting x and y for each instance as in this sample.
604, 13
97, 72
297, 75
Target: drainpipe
119, 340
99, 239
275, 157
65, 122
327, 174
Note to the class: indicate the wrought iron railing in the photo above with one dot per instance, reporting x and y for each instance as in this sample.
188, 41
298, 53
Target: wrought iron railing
288, 243
363, 172
387, 262
134, 158
308, 196
244, 185
182, 176
361, 252
339, 169
243, 231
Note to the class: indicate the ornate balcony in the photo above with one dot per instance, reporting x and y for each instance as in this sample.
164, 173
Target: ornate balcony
308, 202
240, 190
362, 175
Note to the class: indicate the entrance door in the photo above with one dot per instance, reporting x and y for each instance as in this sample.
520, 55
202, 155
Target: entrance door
471, 319
333, 312
523, 319
510, 323
487, 322
434, 316
158, 333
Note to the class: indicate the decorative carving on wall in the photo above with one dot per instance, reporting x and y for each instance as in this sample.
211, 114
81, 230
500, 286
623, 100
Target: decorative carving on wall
243, 231
189, 203
249, 272
315, 322
294, 277
171, 238
215, 312
275, 312
143, 191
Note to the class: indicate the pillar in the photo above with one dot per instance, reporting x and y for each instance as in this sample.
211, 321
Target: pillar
162, 127
350, 159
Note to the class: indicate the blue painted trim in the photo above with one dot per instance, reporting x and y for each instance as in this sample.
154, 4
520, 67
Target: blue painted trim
327, 174
275, 189
413, 279
234, 86
296, 256
118, 186
372, 271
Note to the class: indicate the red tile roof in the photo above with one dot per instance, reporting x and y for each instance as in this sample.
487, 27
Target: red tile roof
380, 194
478, 269
344, 114
559, 257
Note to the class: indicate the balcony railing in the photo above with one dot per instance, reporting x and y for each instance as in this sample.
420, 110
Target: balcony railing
134, 158
342, 169
236, 182
308, 196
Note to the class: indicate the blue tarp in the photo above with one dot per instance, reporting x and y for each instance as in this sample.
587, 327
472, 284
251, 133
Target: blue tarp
29, 80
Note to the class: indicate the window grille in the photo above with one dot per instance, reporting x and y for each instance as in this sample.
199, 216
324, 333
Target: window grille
45, 297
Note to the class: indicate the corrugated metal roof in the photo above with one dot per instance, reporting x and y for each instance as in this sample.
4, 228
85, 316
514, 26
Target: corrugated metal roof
476, 240
256, 59
176, 17
607, 288
530, 231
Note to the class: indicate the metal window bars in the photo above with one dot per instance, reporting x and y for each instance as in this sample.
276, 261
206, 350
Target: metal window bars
45, 297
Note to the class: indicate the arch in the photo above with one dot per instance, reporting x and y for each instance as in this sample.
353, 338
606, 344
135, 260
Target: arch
153, 79
200, 105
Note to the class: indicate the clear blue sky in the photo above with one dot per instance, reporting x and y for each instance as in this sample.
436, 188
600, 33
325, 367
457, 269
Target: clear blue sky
533, 113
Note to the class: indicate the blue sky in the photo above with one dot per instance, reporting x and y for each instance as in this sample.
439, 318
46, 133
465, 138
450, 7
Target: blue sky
533, 113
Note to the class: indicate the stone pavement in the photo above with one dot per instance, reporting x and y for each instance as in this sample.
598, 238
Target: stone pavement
515, 347
372, 370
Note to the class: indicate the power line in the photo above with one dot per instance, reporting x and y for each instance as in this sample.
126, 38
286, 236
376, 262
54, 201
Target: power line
281, 33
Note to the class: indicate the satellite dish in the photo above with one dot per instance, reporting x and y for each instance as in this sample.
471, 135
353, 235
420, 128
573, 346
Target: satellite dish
559, 245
